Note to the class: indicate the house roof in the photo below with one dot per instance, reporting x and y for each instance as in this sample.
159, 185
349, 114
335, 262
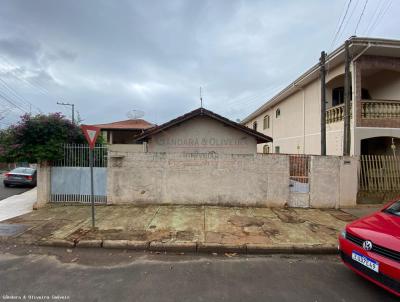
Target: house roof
132, 124
261, 138
357, 46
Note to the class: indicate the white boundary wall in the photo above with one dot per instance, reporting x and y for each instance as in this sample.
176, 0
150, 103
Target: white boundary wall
222, 179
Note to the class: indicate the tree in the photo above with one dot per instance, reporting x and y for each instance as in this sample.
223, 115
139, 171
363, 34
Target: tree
38, 138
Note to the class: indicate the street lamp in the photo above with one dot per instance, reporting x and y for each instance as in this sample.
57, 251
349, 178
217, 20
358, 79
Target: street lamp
72, 107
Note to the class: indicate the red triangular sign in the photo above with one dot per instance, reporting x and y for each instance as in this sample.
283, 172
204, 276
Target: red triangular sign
91, 133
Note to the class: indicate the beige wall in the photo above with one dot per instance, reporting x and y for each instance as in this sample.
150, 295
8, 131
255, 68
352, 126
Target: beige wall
223, 179
369, 132
298, 128
383, 85
220, 179
127, 147
203, 134
333, 181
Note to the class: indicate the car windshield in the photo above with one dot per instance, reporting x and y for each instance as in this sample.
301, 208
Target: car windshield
23, 170
394, 208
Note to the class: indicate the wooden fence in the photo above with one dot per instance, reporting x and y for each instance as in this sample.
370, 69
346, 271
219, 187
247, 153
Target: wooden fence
379, 173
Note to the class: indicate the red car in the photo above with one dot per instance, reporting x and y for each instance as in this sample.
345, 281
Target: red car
370, 246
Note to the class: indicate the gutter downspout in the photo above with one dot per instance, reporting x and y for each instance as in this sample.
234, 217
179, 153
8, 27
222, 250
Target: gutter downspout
304, 120
362, 52
304, 116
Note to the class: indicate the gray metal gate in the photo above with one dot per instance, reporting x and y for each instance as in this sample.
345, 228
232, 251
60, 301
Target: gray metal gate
70, 176
299, 180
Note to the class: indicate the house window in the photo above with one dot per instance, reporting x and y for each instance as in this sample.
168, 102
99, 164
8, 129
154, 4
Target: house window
277, 149
278, 113
365, 94
266, 122
266, 149
255, 125
337, 96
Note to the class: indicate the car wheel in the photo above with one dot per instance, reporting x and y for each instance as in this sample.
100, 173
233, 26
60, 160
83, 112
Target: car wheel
7, 185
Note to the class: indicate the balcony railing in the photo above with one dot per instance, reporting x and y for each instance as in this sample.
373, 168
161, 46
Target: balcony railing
370, 109
335, 114
380, 109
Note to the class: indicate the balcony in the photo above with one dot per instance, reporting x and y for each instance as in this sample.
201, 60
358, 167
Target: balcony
380, 109
335, 114
370, 109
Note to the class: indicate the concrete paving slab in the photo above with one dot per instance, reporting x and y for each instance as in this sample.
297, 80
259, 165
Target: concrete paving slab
179, 218
191, 228
17, 205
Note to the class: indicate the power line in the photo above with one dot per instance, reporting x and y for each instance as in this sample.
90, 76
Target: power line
340, 26
39, 88
35, 85
12, 103
379, 17
377, 11
264, 94
362, 14
349, 18
18, 96
6, 92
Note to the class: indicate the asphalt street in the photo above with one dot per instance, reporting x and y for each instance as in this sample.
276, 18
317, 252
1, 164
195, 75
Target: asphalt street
8, 192
113, 275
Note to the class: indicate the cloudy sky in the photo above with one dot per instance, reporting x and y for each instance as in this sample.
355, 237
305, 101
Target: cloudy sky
111, 57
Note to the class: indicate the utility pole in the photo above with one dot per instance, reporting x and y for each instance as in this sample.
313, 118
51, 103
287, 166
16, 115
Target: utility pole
347, 98
73, 110
323, 103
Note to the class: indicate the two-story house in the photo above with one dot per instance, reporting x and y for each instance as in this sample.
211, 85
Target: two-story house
293, 116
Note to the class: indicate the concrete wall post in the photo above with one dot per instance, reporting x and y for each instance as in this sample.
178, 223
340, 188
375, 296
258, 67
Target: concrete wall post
43, 185
348, 181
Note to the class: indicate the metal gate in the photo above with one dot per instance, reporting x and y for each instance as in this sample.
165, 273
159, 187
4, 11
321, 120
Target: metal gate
70, 176
379, 173
299, 184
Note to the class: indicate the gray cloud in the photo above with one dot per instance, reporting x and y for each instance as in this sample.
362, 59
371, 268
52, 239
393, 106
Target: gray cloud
110, 57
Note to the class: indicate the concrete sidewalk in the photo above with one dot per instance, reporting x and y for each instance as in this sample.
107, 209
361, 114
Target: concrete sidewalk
184, 228
17, 204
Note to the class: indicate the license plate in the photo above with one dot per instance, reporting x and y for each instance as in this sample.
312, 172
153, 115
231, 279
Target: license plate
366, 261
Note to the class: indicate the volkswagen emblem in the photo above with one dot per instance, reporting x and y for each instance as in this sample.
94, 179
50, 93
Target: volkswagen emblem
367, 245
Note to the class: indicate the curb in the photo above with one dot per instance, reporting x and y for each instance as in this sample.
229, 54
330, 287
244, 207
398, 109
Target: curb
173, 246
125, 244
89, 243
57, 243
194, 247
221, 248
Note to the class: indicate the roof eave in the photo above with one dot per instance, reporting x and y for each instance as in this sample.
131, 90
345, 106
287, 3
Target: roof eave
202, 112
